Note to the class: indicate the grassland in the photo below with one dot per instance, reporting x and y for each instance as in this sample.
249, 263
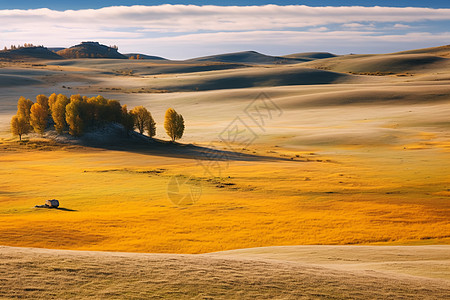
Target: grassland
120, 199
348, 159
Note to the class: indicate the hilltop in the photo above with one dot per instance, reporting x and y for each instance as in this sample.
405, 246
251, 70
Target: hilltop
91, 50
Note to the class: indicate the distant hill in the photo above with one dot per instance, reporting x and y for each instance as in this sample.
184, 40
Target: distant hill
56, 49
28, 53
249, 57
144, 56
310, 55
91, 50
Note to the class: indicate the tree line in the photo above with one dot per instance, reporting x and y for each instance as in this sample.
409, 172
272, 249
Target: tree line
76, 114
26, 45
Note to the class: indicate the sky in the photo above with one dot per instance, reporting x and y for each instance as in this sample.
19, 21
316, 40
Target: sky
183, 29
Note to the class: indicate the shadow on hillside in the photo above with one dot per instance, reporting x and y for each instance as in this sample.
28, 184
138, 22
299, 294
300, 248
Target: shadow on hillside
141, 144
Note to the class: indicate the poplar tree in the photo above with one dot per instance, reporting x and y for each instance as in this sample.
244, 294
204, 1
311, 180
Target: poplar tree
38, 118
59, 113
19, 126
24, 108
143, 120
74, 112
127, 119
174, 124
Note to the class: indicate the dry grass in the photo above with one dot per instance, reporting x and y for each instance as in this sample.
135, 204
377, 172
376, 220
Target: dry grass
47, 274
423, 261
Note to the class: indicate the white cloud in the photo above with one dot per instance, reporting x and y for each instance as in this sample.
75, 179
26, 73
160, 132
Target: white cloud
319, 29
358, 26
188, 18
182, 31
401, 26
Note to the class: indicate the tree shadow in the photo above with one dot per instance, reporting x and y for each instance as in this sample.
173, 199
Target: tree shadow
65, 209
57, 208
142, 144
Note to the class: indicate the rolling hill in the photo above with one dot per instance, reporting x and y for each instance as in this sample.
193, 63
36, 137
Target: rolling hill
91, 50
29, 53
348, 167
247, 78
249, 57
381, 64
443, 51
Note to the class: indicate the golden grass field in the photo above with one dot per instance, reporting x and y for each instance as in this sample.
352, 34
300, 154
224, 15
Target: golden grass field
120, 204
352, 160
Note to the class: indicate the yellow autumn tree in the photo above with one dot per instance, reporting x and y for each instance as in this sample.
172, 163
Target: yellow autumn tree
143, 120
114, 111
127, 119
150, 126
43, 101
74, 112
174, 124
59, 112
51, 101
24, 108
20, 126
38, 118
